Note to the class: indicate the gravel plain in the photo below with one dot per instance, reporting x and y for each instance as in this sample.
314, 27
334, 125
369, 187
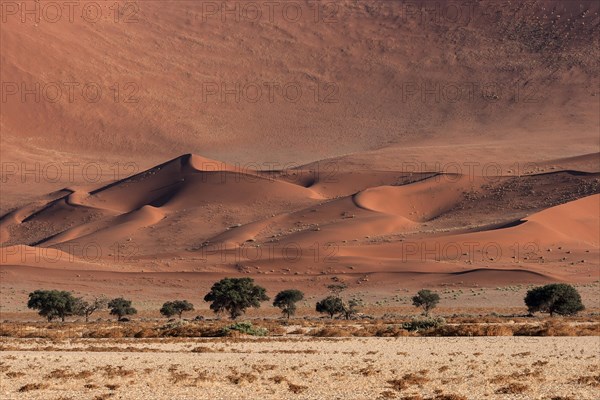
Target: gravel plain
302, 368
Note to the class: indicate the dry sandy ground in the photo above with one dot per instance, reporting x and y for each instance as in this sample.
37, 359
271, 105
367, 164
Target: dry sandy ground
357, 368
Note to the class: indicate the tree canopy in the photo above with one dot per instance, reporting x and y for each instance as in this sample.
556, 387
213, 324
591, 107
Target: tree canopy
286, 300
556, 298
176, 307
330, 305
52, 303
235, 296
121, 307
426, 299
86, 308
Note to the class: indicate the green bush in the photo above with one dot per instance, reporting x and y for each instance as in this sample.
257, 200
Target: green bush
235, 295
52, 303
419, 324
246, 328
556, 298
176, 307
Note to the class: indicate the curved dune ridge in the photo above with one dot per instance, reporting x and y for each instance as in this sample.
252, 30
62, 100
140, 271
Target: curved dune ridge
196, 214
407, 201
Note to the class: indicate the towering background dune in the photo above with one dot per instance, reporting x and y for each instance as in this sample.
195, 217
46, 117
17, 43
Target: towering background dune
130, 85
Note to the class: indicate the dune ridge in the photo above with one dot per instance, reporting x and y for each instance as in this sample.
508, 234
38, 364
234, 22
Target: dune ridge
203, 216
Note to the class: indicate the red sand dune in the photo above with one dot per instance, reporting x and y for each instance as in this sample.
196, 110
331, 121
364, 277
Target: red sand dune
433, 228
373, 172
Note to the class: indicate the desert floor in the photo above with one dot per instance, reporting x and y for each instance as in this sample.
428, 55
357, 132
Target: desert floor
303, 368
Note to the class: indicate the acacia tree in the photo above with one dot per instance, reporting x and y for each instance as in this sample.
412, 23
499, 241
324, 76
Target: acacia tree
286, 300
426, 299
86, 308
331, 305
121, 307
556, 298
52, 303
351, 308
335, 304
235, 296
176, 307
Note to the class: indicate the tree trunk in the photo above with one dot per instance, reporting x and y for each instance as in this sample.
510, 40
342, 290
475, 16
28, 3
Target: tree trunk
62, 318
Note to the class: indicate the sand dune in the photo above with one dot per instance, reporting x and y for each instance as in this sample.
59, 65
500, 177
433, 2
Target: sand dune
429, 227
376, 169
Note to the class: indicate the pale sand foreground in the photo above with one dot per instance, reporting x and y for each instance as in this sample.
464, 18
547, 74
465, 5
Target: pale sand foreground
353, 368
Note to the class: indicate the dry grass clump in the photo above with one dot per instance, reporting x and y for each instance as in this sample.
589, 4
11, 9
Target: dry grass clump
472, 330
332, 331
260, 368
202, 349
239, 378
385, 327
589, 380
113, 372
437, 397
539, 363
273, 327
177, 376
67, 374
146, 333
407, 380
387, 394
525, 375
298, 331
296, 388
557, 328
368, 371
278, 379
104, 396
91, 386
512, 388
382, 331
33, 386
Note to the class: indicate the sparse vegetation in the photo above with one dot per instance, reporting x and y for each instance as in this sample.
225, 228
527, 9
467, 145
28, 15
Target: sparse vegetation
427, 300
121, 307
419, 324
87, 308
176, 307
286, 300
513, 388
556, 298
235, 296
330, 305
52, 303
245, 328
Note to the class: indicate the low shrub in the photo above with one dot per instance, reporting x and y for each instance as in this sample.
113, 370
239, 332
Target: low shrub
245, 328
331, 331
421, 324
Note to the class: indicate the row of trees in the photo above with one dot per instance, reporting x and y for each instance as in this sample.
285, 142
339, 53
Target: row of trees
61, 304
235, 295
